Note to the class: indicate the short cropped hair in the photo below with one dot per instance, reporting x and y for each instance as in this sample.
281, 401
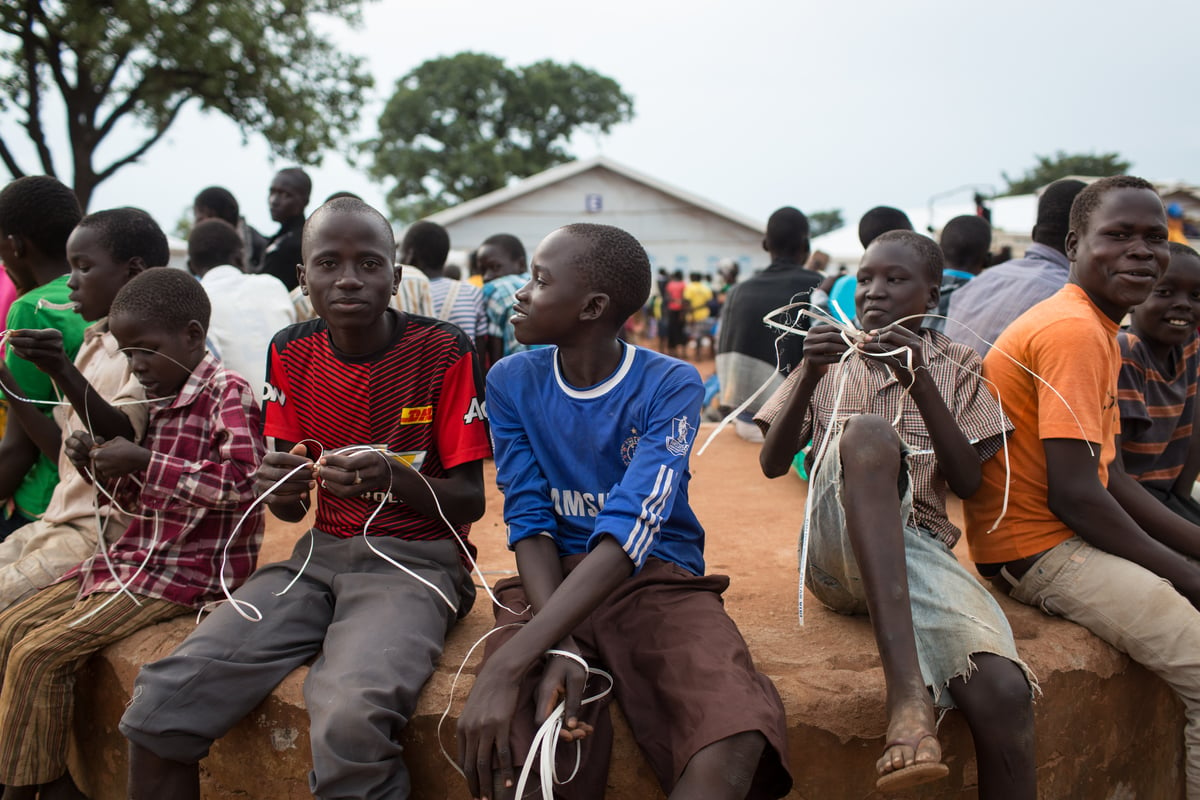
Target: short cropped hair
129, 233
221, 202
880, 220
509, 244
965, 241
1054, 213
429, 243
787, 231
1089, 199
41, 209
346, 205
1180, 249
614, 263
299, 176
212, 243
927, 249
162, 299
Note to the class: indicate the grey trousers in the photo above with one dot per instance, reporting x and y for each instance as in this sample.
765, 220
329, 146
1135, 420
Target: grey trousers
376, 632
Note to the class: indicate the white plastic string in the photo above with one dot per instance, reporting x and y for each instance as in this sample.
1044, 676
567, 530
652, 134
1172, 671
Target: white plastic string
124, 585
4, 336
44, 303
101, 524
544, 747
254, 614
389, 457
852, 336
806, 309
454, 684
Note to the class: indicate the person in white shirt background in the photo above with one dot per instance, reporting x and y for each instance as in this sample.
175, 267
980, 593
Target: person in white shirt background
247, 310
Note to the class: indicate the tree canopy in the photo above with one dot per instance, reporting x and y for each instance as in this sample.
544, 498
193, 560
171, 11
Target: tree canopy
137, 63
822, 222
1050, 168
461, 126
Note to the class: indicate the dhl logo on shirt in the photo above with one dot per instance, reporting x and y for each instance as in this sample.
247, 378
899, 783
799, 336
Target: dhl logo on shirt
420, 415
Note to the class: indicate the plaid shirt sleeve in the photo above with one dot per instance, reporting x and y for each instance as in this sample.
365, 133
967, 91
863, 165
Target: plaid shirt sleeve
213, 463
771, 409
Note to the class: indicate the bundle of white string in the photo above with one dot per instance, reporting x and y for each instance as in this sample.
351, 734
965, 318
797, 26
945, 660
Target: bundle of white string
543, 750
253, 614
852, 336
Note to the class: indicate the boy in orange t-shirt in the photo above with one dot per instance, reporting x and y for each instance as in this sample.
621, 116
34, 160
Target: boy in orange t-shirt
1080, 538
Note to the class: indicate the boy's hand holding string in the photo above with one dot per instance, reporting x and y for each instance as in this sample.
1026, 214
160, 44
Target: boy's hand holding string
290, 500
106, 460
957, 459
44, 349
484, 725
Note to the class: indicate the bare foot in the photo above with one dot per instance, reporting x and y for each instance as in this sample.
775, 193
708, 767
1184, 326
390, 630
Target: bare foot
913, 755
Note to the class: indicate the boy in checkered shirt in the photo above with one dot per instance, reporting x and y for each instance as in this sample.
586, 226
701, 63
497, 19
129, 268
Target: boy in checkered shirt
189, 484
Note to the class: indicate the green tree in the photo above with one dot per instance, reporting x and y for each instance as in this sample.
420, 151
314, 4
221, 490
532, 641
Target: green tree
461, 126
132, 65
1050, 168
822, 222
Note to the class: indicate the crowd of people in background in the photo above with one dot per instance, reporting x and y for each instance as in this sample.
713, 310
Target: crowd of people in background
150, 409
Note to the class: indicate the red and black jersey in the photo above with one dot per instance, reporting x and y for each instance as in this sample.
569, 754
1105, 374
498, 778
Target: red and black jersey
421, 398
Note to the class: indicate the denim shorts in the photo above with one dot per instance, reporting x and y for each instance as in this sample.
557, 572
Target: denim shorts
954, 615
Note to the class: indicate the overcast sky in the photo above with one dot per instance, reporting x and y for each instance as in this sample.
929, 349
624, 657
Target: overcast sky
757, 104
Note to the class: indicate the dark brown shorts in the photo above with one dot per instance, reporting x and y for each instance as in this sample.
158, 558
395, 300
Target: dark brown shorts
683, 677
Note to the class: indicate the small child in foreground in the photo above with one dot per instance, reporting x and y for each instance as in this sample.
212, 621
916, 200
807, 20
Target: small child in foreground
592, 439
190, 482
1156, 391
914, 418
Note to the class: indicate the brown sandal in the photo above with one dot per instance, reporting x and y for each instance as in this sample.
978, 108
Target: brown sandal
914, 774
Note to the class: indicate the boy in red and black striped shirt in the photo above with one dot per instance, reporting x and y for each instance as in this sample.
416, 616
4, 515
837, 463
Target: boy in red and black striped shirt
410, 389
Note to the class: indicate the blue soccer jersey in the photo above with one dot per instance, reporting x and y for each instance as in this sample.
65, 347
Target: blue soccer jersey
611, 459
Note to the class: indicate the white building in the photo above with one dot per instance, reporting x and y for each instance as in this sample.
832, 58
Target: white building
679, 230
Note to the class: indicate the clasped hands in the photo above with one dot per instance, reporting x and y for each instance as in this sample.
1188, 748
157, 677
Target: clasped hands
825, 345
350, 475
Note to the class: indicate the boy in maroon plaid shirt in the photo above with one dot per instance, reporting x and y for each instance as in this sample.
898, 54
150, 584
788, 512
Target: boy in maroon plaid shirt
191, 483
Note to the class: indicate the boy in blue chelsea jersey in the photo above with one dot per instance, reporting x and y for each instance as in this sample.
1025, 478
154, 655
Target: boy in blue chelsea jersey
592, 437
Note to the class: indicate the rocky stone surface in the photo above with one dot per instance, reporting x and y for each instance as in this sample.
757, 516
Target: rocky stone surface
1105, 728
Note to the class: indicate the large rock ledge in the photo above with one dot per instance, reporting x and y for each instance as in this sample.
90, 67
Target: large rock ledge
1106, 728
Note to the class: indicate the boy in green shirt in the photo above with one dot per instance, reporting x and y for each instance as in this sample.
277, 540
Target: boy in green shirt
37, 214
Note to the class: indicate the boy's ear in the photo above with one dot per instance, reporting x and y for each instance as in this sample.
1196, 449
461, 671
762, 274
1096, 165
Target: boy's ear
1072, 245
935, 297
595, 305
764, 245
300, 277
136, 265
196, 335
397, 273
